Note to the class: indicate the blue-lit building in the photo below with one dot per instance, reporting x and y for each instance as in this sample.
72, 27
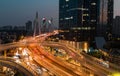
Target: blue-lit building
82, 20
78, 19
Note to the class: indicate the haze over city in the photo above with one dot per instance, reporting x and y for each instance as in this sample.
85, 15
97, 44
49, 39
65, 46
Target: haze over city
59, 38
17, 12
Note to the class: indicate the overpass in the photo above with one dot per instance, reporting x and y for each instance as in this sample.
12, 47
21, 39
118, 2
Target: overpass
10, 63
58, 70
88, 61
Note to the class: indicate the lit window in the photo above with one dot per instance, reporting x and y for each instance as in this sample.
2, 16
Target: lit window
71, 17
93, 3
67, 18
85, 9
93, 20
85, 14
66, 0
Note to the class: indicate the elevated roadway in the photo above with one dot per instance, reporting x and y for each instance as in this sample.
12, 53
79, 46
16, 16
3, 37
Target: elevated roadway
49, 62
86, 60
10, 62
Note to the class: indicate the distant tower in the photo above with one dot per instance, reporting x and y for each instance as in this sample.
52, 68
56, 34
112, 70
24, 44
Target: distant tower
50, 25
44, 25
37, 30
29, 27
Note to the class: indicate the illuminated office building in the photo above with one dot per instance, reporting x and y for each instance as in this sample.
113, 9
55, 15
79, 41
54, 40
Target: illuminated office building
105, 18
77, 19
82, 20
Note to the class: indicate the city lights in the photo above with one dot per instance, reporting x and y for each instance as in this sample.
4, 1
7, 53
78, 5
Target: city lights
60, 38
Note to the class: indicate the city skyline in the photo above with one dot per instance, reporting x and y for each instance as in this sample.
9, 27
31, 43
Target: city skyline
19, 12
59, 38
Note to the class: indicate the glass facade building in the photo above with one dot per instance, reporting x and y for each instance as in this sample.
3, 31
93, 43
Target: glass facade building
110, 15
105, 18
102, 18
82, 20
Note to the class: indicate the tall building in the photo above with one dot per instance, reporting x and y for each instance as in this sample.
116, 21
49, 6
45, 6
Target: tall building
116, 28
50, 25
29, 27
44, 25
78, 19
102, 18
36, 24
105, 18
110, 15
82, 20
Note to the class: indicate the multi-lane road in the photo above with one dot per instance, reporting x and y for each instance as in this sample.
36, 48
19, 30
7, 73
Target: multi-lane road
57, 66
61, 67
85, 60
10, 62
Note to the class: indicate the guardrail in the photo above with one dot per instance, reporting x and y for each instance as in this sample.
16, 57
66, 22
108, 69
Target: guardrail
22, 64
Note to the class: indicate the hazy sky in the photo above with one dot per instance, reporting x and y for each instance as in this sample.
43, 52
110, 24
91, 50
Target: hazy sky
116, 7
18, 12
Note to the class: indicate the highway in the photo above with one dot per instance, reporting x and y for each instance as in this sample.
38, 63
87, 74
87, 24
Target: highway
111, 67
86, 61
60, 67
10, 62
75, 57
57, 66
30, 41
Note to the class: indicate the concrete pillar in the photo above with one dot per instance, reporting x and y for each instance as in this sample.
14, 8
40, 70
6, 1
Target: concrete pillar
5, 53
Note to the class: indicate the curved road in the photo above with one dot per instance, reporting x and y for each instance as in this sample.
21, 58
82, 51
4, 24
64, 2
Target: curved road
86, 61
11, 64
96, 68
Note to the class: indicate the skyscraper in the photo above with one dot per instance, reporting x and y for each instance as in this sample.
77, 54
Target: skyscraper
36, 24
116, 28
105, 18
44, 25
29, 27
78, 19
82, 20
110, 15
102, 18
50, 25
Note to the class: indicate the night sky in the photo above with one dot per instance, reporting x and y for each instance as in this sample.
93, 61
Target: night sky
18, 12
